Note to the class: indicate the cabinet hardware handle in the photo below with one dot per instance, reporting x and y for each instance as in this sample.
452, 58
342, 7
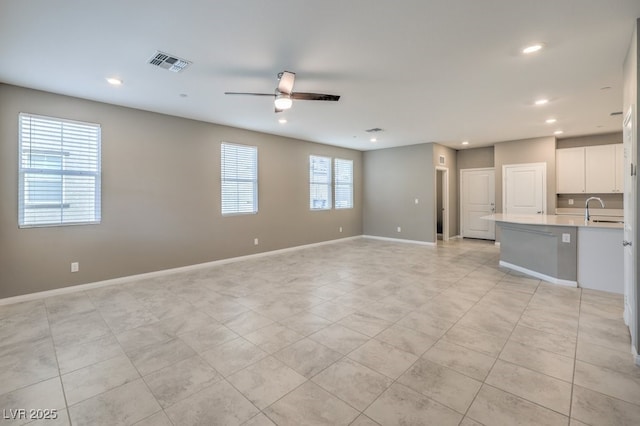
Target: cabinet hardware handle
627, 243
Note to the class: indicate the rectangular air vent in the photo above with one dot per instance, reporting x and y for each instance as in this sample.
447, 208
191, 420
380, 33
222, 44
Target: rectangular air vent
168, 62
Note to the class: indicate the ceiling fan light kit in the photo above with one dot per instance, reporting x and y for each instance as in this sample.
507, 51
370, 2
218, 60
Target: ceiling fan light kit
284, 94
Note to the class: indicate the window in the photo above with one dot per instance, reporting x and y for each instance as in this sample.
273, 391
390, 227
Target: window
319, 183
343, 183
59, 172
239, 172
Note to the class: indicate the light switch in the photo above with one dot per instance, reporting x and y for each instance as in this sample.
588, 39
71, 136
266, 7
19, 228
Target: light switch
566, 238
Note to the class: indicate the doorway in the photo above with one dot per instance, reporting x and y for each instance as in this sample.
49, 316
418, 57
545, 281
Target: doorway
477, 199
524, 188
442, 204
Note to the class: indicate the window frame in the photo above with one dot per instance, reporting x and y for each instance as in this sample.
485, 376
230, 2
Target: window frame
337, 184
225, 179
62, 170
328, 183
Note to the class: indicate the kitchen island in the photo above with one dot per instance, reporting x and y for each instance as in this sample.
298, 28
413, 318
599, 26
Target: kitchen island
563, 249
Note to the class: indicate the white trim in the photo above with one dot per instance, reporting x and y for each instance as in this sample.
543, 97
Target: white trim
497, 243
146, 275
456, 237
398, 240
636, 357
538, 275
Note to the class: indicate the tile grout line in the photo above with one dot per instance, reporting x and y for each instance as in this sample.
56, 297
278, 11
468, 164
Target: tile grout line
55, 353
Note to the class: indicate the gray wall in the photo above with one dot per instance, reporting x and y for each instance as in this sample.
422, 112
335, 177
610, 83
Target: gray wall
450, 156
611, 201
590, 140
160, 197
536, 150
394, 178
475, 158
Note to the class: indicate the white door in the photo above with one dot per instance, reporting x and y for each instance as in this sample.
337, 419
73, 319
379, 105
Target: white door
524, 188
477, 199
630, 314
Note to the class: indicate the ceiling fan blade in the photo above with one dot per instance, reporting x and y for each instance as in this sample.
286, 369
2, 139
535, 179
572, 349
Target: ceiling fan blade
314, 96
250, 94
286, 82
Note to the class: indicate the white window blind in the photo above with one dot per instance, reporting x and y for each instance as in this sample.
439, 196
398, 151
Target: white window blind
319, 183
239, 174
59, 172
343, 183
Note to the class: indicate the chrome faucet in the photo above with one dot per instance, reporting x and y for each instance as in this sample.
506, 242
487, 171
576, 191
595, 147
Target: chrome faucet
586, 207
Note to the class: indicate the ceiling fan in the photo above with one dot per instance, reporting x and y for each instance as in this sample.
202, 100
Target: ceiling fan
284, 94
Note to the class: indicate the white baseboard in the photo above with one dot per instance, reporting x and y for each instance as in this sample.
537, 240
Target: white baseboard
399, 240
538, 275
154, 274
636, 357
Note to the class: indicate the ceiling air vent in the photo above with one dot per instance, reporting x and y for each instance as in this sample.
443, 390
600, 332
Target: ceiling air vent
168, 62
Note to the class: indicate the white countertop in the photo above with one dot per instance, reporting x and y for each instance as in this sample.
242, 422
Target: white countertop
552, 220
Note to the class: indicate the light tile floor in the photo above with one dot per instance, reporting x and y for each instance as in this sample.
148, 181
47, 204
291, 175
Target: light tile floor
360, 332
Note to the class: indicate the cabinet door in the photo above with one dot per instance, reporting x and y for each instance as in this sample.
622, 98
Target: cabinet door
619, 168
570, 170
600, 169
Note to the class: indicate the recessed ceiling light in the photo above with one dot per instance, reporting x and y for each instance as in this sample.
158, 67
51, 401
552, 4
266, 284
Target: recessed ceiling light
541, 101
558, 132
114, 81
550, 120
465, 142
282, 120
533, 48
373, 140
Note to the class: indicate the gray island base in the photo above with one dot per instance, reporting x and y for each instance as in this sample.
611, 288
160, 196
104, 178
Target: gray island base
563, 250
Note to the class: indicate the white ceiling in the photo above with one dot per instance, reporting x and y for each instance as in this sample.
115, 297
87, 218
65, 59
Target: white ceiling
424, 71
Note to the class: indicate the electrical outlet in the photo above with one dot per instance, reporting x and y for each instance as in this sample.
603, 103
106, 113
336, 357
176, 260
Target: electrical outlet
255, 241
75, 266
340, 229
399, 229
566, 238
570, 201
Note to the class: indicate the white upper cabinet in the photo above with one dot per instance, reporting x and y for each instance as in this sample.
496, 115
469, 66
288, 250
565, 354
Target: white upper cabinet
570, 170
592, 169
600, 173
619, 168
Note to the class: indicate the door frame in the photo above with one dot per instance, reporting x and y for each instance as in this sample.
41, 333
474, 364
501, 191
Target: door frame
445, 204
543, 165
461, 196
631, 284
